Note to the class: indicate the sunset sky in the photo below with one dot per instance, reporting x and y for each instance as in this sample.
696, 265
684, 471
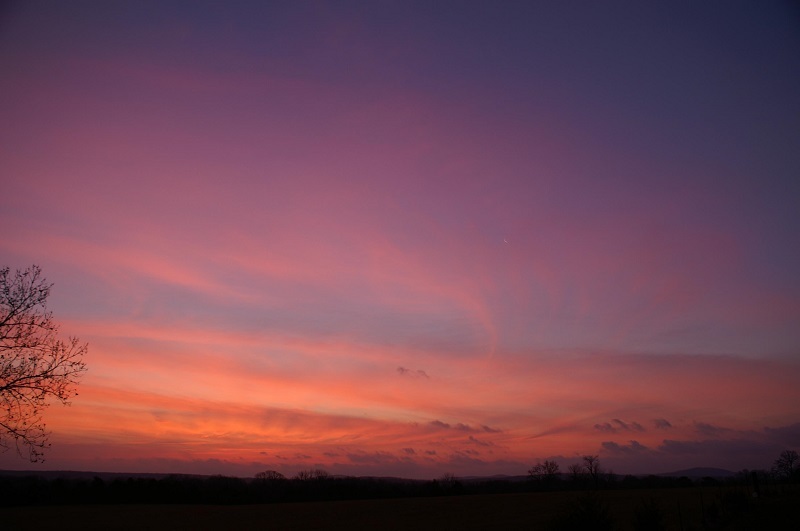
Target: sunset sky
410, 238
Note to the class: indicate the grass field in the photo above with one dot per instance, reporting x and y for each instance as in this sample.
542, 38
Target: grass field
682, 509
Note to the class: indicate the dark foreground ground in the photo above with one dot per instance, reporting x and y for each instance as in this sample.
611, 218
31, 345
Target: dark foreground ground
675, 509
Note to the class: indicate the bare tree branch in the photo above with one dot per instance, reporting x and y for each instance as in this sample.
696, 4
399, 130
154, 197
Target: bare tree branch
35, 366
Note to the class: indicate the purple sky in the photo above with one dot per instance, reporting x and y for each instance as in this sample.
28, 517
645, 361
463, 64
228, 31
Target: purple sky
411, 237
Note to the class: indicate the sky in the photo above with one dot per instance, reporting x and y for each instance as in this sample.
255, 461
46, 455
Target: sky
410, 238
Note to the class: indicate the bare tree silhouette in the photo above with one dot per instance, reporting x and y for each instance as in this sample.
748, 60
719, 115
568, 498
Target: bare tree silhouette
544, 473
787, 465
270, 475
591, 463
312, 474
449, 483
34, 364
575, 471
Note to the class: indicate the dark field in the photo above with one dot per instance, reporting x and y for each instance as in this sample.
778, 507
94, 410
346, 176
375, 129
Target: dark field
679, 509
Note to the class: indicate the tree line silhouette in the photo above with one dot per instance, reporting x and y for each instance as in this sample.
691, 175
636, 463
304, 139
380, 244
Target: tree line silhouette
316, 485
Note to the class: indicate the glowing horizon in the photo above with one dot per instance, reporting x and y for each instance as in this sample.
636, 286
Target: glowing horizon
407, 239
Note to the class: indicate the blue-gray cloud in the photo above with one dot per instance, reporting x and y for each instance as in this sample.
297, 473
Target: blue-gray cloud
464, 427
786, 435
617, 425
709, 430
633, 447
419, 373
479, 442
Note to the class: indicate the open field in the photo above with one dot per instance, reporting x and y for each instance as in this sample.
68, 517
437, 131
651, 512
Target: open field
681, 508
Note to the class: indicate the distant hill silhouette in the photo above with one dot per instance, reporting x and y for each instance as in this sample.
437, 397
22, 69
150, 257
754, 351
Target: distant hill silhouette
80, 474
699, 472
496, 477
692, 473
